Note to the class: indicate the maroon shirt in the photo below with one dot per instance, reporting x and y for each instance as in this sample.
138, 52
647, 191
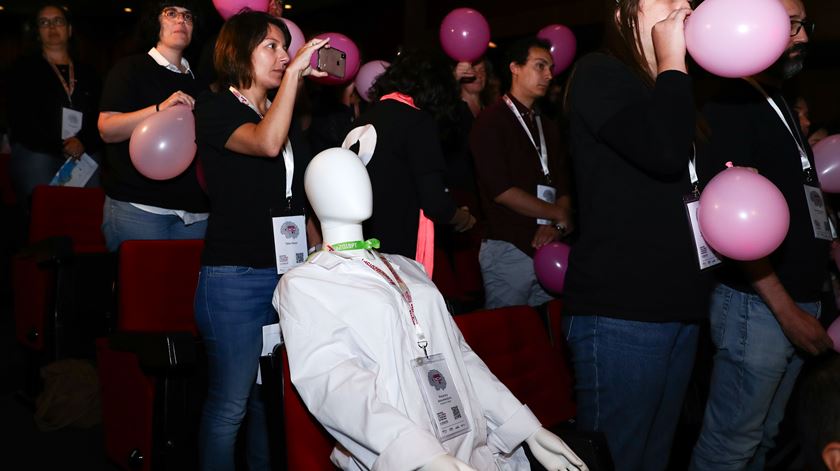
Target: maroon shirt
506, 158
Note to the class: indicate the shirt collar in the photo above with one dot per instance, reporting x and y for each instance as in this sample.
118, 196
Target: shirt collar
164, 62
523, 110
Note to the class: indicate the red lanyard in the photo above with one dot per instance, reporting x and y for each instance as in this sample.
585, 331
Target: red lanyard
68, 88
398, 284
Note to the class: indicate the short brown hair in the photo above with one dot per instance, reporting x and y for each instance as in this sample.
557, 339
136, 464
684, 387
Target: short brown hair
237, 40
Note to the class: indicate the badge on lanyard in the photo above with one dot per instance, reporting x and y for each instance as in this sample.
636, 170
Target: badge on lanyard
71, 122
443, 403
290, 247
705, 256
819, 214
549, 195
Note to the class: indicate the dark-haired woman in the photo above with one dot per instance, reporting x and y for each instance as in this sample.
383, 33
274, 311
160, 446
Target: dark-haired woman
53, 106
408, 167
137, 207
253, 155
634, 291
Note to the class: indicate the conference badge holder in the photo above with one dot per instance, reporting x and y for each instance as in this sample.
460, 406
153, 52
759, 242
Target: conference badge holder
443, 403
818, 211
705, 256
290, 248
549, 195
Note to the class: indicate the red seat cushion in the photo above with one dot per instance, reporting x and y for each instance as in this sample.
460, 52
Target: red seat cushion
73, 212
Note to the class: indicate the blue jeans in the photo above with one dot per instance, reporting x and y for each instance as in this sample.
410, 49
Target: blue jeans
122, 221
509, 278
232, 304
631, 379
754, 373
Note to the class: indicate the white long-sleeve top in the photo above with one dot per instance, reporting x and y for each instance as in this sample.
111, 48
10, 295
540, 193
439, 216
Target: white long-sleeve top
350, 344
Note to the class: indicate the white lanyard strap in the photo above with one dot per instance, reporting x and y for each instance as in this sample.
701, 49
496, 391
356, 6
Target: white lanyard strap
543, 151
803, 156
692, 169
288, 155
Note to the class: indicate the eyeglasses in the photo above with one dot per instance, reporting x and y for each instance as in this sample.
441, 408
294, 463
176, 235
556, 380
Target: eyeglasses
58, 21
797, 25
173, 15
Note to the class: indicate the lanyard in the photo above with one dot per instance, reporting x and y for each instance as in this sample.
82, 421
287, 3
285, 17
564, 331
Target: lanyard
398, 284
68, 88
288, 155
803, 156
692, 169
543, 151
354, 245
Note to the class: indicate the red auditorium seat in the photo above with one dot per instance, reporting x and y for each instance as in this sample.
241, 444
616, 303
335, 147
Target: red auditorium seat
151, 368
62, 280
515, 345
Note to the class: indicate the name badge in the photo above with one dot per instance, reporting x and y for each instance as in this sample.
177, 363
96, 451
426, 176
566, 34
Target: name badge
443, 403
549, 195
290, 247
705, 256
819, 214
71, 123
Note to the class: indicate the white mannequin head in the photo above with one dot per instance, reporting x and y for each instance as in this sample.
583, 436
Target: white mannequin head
338, 188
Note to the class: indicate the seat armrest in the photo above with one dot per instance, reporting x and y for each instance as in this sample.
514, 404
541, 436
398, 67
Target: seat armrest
159, 352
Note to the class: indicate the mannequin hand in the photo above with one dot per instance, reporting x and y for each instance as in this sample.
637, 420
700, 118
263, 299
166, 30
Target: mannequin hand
73, 147
553, 453
669, 40
446, 463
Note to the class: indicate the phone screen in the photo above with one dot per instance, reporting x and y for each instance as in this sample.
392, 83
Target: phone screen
332, 61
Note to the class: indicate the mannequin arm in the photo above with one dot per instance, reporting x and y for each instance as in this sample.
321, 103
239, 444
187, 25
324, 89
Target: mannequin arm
446, 463
553, 453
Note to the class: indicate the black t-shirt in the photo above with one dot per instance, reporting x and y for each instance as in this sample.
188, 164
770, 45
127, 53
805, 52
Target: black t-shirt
746, 131
36, 98
631, 145
243, 189
134, 83
407, 175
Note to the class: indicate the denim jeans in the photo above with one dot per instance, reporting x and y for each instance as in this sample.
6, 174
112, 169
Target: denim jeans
755, 369
232, 304
508, 274
631, 379
123, 221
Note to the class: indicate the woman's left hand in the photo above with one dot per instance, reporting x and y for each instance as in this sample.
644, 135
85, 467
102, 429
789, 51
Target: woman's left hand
300, 65
73, 147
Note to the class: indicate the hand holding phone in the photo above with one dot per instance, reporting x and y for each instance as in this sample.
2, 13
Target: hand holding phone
332, 61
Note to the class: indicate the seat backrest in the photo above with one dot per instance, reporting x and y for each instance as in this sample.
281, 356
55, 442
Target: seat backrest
59, 211
515, 345
156, 285
308, 445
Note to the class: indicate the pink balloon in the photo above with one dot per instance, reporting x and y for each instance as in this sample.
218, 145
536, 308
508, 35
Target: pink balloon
367, 75
743, 215
162, 146
551, 261
228, 8
827, 161
346, 45
563, 46
464, 34
297, 38
834, 332
737, 38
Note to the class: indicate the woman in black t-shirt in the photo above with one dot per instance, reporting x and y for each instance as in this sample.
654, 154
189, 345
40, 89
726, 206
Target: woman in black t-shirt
253, 157
137, 207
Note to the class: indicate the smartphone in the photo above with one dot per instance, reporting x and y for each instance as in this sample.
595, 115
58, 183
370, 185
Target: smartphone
332, 61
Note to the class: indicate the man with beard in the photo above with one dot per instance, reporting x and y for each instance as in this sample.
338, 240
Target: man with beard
764, 312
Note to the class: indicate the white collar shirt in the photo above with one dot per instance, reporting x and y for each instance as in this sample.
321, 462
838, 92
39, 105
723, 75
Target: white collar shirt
164, 62
350, 343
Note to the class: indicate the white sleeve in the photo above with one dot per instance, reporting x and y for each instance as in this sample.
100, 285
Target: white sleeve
336, 379
509, 421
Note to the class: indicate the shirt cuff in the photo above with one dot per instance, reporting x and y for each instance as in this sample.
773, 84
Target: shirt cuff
409, 451
521, 425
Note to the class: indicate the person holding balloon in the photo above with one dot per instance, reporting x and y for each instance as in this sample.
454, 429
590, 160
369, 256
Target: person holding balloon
765, 309
137, 88
634, 290
522, 179
253, 153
